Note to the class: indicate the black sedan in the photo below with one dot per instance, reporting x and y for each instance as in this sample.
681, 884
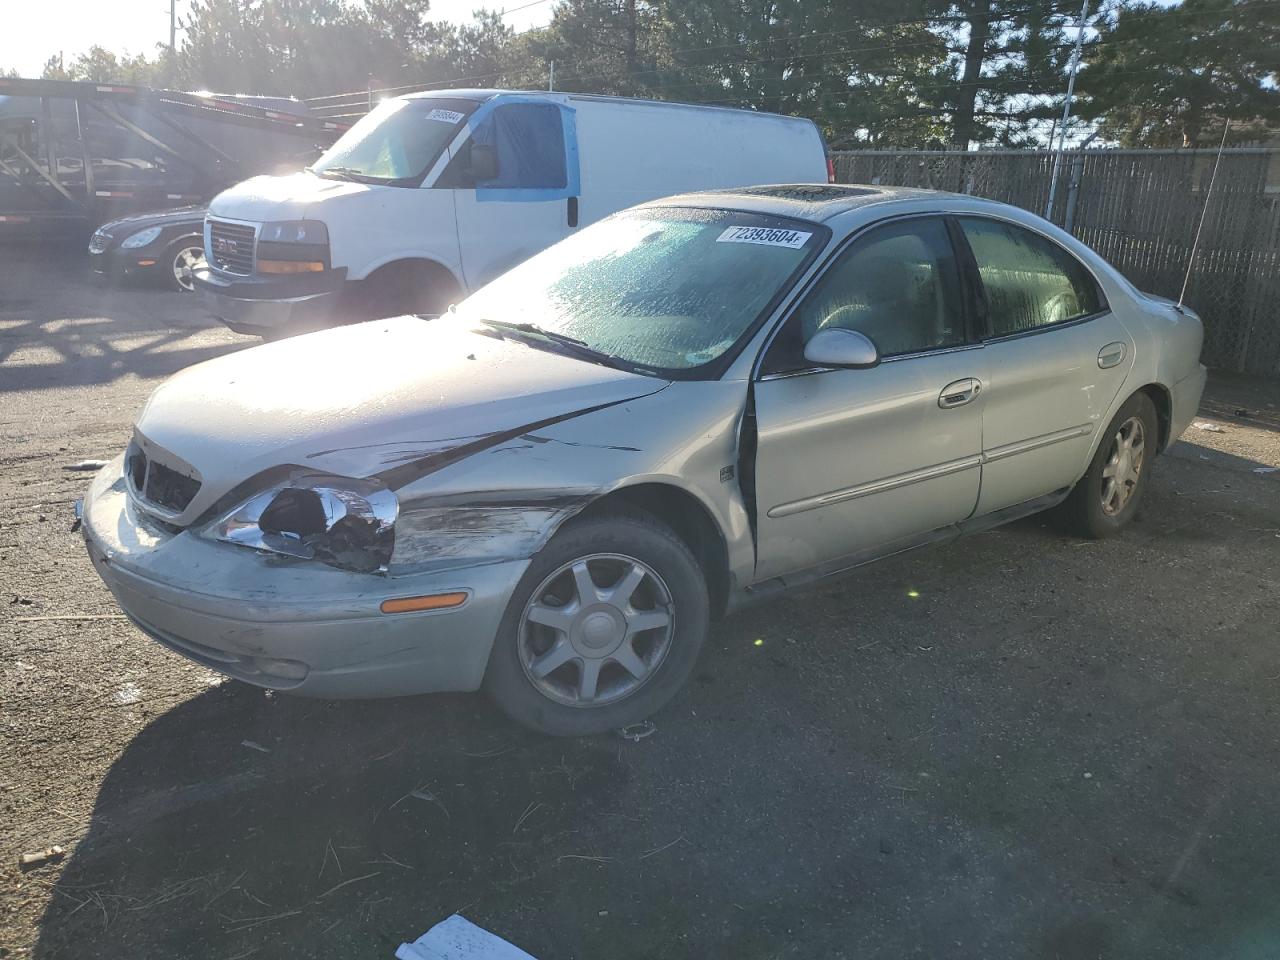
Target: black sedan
165, 246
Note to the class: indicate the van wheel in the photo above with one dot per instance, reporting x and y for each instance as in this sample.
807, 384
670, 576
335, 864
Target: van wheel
603, 629
1107, 497
411, 287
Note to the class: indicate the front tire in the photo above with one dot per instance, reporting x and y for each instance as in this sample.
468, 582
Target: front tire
407, 287
603, 629
1108, 496
181, 260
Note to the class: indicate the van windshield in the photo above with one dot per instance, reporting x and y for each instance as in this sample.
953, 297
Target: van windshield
396, 143
665, 290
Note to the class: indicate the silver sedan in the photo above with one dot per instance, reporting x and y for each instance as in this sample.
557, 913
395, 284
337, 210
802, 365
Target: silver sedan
693, 405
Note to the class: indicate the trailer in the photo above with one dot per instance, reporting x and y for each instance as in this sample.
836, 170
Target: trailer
74, 155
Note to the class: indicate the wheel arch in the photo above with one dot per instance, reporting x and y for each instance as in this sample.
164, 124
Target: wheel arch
690, 520
1162, 399
401, 263
197, 237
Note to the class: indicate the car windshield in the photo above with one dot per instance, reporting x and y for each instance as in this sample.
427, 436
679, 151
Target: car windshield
666, 289
398, 141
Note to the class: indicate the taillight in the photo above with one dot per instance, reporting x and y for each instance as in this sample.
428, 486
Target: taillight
831, 170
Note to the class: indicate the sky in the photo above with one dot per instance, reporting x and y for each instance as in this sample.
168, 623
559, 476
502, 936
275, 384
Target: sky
32, 31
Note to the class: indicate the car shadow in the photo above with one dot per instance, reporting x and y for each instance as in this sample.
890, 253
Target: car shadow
239, 817
59, 328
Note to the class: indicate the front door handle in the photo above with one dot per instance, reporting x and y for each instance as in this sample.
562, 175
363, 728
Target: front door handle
959, 393
1111, 355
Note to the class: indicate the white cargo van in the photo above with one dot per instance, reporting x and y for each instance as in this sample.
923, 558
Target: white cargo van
434, 194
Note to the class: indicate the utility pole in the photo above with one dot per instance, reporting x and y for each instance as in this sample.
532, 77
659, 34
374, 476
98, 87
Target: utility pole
173, 26
551, 80
1066, 108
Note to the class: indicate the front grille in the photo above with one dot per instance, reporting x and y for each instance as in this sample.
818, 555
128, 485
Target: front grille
155, 483
231, 245
98, 243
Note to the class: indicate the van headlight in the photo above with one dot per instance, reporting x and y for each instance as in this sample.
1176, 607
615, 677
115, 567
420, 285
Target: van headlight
293, 246
341, 521
294, 231
141, 238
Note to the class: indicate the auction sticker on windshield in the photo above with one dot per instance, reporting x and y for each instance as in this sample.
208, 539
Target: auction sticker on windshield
448, 116
769, 237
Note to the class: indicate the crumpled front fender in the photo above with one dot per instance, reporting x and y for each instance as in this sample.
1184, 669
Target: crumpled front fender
507, 500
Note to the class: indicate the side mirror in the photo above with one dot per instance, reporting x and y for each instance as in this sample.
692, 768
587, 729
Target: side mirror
484, 163
838, 347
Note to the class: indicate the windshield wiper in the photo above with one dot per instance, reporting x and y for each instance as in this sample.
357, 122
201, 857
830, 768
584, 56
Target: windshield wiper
346, 173
575, 346
537, 331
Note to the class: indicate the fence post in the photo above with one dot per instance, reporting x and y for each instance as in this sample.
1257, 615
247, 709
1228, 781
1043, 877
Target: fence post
1073, 191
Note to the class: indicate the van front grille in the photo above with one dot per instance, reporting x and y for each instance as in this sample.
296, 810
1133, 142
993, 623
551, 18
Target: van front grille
231, 246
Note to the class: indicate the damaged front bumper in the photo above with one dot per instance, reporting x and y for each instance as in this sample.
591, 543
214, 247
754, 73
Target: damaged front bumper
298, 626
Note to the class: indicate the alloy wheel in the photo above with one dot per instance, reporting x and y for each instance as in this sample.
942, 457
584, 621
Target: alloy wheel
1123, 467
185, 262
596, 629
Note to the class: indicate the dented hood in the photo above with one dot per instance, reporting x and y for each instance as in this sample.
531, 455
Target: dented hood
374, 398
291, 197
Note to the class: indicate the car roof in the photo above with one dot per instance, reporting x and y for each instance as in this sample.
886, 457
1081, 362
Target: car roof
803, 201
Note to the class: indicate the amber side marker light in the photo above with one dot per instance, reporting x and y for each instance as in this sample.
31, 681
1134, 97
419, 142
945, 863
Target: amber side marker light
437, 601
146, 263
290, 266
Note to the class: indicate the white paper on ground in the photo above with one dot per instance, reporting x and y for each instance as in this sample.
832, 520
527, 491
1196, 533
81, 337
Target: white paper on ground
457, 938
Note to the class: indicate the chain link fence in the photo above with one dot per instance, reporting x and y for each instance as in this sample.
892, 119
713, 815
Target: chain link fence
1139, 209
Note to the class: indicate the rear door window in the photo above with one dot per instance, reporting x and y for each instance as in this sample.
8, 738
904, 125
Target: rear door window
1030, 281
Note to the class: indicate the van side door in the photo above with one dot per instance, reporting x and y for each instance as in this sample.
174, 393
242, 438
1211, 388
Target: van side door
515, 180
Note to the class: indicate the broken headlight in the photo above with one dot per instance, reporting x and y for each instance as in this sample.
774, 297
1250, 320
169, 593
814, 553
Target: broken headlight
344, 522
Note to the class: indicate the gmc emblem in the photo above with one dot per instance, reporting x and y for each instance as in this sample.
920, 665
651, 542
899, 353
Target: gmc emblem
223, 245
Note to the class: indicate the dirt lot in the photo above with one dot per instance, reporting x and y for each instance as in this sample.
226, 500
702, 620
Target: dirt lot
1056, 749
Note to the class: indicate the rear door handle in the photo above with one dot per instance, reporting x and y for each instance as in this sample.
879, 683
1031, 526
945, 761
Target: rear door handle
959, 393
1111, 355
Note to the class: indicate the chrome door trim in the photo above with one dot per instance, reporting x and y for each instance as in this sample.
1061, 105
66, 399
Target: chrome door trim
1049, 327
875, 486
928, 473
768, 589
1035, 443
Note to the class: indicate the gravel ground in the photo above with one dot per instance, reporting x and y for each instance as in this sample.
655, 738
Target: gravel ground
1016, 745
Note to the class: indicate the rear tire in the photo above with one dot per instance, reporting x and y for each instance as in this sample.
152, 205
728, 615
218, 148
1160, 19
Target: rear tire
1108, 496
602, 630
